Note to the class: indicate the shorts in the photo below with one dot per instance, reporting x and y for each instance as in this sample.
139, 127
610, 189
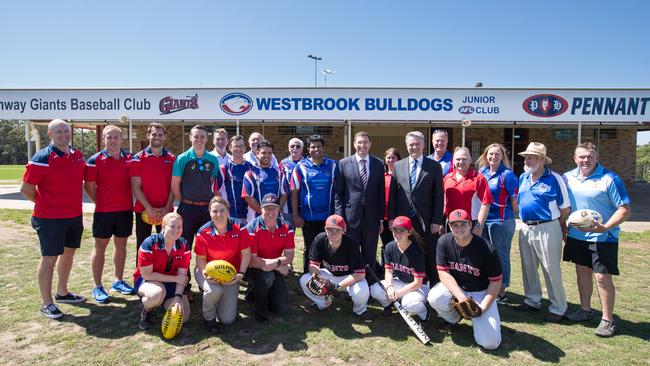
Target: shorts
107, 224
56, 234
170, 287
601, 257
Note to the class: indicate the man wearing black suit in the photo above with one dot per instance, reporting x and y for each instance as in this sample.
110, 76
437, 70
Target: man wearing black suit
416, 192
361, 196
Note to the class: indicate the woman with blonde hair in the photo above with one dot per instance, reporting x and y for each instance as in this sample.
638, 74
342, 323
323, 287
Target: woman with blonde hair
494, 165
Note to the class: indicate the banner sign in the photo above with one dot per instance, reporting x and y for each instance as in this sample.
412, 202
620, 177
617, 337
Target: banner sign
314, 104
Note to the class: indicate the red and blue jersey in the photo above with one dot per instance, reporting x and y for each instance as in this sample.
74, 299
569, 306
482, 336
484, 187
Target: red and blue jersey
58, 178
266, 244
113, 191
233, 182
209, 244
543, 199
503, 186
155, 173
200, 177
153, 252
467, 193
316, 186
260, 181
286, 166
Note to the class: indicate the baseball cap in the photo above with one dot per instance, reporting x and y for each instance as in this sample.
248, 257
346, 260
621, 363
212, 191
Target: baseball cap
403, 222
459, 215
270, 199
335, 222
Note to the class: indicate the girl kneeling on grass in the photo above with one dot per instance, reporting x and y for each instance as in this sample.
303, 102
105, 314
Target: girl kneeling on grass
161, 275
404, 271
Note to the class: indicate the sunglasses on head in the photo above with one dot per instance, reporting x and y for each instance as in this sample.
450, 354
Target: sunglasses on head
168, 267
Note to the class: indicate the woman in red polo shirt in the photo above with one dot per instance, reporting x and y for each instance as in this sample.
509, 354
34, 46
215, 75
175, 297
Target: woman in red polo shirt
466, 189
220, 238
161, 275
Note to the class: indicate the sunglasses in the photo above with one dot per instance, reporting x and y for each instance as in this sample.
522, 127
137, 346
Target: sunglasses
168, 267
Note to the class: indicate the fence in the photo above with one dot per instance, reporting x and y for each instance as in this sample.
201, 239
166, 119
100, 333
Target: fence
642, 173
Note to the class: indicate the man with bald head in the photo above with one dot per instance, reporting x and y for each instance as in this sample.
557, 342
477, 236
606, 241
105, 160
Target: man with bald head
53, 180
254, 143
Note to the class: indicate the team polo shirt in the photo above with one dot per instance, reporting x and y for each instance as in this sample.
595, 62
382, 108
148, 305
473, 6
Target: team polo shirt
260, 181
602, 191
286, 166
58, 178
473, 267
251, 158
445, 162
208, 243
503, 185
153, 252
113, 191
199, 176
315, 183
345, 260
543, 199
267, 244
155, 173
233, 181
467, 193
405, 266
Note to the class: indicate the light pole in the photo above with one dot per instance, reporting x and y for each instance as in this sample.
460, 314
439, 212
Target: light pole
316, 59
327, 72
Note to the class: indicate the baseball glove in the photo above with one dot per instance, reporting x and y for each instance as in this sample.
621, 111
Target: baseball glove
467, 309
321, 286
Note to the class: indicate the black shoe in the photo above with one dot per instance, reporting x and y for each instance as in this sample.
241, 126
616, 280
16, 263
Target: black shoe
388, 311
212, 326
51, 311
69, 298
145, 319
554, 318
365, 317
447, 327
310, 308
525, 307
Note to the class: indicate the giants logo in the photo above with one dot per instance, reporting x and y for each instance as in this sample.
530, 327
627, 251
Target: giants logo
545, 105
170, 105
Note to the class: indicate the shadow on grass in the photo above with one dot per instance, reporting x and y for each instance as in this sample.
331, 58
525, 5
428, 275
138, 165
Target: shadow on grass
106, 320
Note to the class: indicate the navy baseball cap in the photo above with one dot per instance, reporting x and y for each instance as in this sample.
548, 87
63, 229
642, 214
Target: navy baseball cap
270, 199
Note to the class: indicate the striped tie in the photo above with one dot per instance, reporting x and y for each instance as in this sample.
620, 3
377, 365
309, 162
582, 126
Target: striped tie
364, 173
414, 173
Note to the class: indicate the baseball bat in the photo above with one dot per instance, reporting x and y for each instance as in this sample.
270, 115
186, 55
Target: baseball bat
415, 326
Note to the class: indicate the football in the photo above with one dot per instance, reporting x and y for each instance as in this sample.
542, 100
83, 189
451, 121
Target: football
584, 218
148, 220
220, 270
172, 322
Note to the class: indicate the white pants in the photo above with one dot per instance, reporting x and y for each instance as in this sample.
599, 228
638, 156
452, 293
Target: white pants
413, 302
359, 292
542, 244
487, 327
218, 301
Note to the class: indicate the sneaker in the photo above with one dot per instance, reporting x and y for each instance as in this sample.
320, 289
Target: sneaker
447, 327
212, 326
525, 307
581, 315
606, 328
554, 318
51, 311
502, 299
145, 319
100, 295
388, 311
365, 317
123, 288
69, 298
310, 308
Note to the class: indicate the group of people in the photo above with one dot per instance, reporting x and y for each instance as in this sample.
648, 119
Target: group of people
445, 226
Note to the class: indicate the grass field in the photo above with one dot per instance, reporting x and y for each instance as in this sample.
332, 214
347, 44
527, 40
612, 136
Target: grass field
11, 172
108, 334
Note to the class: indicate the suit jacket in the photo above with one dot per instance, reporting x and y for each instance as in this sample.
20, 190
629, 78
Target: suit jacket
355, 204
426, 197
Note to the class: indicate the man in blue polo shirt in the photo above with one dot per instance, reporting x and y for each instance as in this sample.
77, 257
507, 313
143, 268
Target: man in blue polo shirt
595, 249
440, 140
233, 172
543, 208
312, 193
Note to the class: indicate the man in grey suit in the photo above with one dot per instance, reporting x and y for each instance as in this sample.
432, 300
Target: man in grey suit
360, 197
416, 192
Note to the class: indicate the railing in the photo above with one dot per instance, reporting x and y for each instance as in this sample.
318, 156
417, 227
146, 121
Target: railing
642, 173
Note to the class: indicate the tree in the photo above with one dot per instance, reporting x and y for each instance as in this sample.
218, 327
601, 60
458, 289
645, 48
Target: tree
643, 162
13, 148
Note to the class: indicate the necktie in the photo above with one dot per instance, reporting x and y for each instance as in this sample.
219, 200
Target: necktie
413, 175
364, 173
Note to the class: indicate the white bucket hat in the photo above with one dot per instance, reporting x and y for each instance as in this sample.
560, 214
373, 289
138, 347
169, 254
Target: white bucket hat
537, 148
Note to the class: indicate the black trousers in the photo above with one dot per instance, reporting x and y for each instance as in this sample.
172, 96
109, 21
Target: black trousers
142, 231
193, 218
386, 237
268, 290
309, 232
367, 239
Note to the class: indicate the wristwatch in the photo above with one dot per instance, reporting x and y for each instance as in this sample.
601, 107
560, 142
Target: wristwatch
479, 225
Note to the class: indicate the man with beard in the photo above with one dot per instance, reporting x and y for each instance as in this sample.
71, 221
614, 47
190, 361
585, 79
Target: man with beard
261, 180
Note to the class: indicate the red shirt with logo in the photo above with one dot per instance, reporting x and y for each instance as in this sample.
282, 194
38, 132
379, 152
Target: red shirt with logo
467, 193
208, 243
153, 252
113, 192
267, 244
58, 178
155, 173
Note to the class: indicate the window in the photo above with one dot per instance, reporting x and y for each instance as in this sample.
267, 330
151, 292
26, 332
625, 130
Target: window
607, 133
305, 130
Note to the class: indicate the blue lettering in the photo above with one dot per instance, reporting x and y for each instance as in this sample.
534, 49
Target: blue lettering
577, 104
329, 104
275, 104
354, 104
307, 104
286, 104
318, 104
263, 103
448, 104
369, 104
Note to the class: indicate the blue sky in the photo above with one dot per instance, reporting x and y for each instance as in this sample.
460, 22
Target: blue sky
583, 44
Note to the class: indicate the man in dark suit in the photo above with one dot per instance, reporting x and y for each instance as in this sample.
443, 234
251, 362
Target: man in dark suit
360, 197
416, 192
